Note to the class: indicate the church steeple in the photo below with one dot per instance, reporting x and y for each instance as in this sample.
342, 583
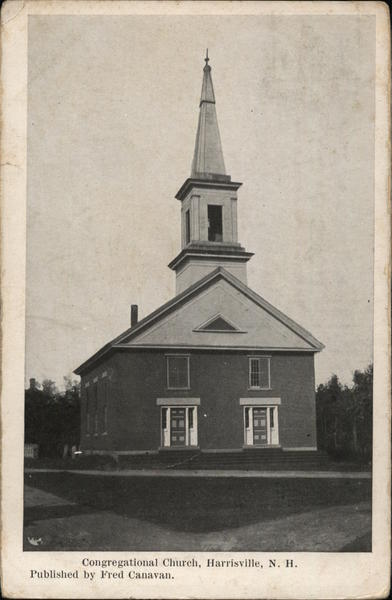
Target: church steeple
208, 156
208, 204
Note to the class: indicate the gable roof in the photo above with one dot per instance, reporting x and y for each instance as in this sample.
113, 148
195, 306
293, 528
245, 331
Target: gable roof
218, 274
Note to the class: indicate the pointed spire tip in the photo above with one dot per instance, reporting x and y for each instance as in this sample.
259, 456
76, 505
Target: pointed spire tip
206, 60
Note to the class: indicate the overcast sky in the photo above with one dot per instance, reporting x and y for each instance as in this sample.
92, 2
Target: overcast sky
113, 108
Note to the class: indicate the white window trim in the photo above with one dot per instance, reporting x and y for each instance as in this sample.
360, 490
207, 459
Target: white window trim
248, 431
187, 356
166, 433
258, 387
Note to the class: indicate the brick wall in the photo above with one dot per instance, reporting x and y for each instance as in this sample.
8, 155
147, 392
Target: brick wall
137, 378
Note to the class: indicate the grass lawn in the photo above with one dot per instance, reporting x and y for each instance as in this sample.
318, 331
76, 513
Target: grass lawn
77, 511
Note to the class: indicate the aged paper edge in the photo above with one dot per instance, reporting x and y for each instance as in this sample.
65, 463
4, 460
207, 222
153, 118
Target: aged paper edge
329, 575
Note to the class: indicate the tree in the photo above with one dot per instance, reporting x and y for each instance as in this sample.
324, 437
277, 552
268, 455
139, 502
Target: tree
344, 416
49, 388
362, 411
52, 418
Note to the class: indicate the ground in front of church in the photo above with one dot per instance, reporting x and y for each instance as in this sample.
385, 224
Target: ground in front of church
65, 511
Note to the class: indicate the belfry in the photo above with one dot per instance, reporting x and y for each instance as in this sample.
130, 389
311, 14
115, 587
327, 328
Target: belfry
208, 204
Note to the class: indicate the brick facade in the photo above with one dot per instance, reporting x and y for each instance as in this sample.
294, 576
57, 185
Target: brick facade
136, 378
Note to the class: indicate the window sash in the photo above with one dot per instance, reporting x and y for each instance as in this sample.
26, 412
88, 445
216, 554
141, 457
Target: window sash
259, 373
178, 372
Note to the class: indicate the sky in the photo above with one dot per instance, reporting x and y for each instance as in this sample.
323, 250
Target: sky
112, 116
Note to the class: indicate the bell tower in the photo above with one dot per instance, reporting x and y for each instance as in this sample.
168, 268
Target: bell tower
208, 204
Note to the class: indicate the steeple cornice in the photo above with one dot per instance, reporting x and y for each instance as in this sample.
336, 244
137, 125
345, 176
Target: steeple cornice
217, 182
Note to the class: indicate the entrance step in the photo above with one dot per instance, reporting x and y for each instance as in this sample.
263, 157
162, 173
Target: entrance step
273, 459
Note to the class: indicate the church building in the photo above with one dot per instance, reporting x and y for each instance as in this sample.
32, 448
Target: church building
216, 368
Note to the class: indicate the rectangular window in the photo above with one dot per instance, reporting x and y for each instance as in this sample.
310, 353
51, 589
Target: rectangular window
190, 418
214, 223
95, 391
187, 227
259, 373
88, 408
105, 406
178, 372
272, 412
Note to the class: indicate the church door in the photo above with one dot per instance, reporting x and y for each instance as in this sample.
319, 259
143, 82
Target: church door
260, 426
177, 427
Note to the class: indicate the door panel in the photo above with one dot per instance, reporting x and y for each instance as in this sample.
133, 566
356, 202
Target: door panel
177, 427
260, 427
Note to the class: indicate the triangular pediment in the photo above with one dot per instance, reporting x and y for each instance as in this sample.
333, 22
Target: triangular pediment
223, 307
218, 324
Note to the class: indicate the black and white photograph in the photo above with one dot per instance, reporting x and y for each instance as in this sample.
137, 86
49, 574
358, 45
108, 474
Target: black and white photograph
199, 313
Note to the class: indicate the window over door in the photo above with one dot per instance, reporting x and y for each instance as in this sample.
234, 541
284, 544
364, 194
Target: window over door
178, 376
259, 372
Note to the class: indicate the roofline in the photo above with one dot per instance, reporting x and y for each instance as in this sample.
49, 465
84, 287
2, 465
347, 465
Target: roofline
219, 272
215, 347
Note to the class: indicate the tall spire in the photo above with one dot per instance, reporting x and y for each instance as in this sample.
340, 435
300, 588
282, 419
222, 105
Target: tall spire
208, 205
208, 156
